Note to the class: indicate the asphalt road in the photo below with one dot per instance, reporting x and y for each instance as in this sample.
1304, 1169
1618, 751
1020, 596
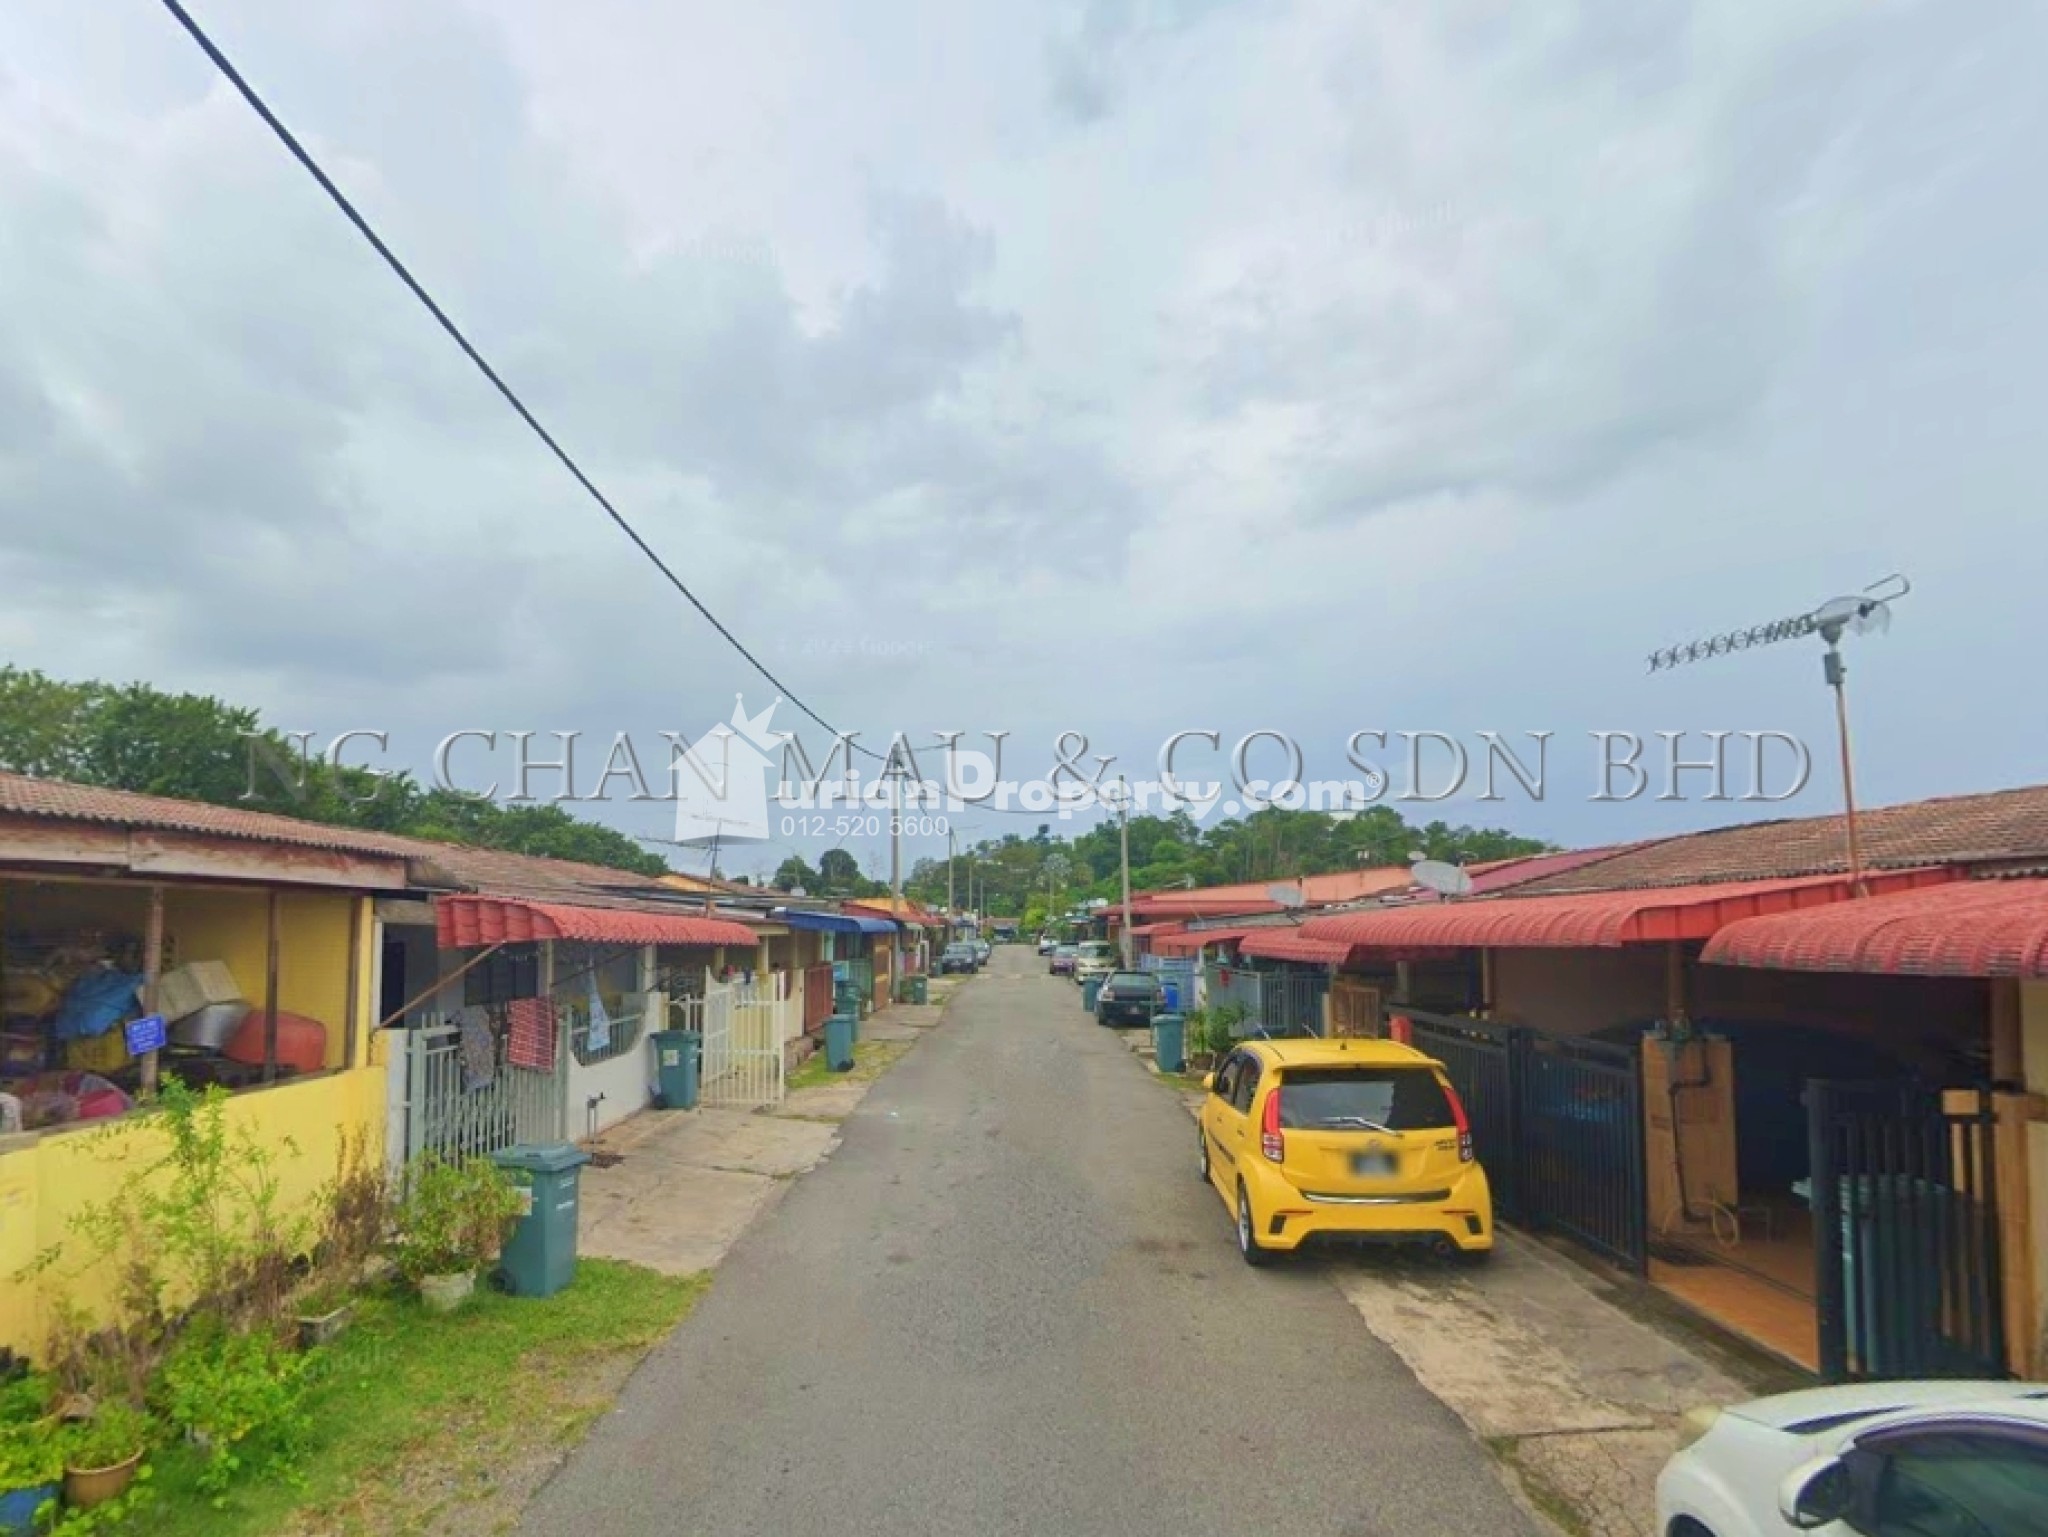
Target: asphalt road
1007, 1305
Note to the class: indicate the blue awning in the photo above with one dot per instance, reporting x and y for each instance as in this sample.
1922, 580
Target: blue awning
834, 923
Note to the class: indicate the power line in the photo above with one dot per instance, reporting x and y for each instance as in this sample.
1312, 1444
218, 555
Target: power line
419, 292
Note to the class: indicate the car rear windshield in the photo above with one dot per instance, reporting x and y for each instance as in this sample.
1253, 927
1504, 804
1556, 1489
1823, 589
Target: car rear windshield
1134, 980
1340, 1098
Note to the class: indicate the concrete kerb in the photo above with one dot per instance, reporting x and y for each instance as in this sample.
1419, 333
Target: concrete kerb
684, 1185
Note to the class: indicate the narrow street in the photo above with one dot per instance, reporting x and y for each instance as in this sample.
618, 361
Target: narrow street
1006, 1305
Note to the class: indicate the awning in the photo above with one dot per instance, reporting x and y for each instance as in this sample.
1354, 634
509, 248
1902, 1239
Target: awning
1193, 940
1597, 918
1965, 929
463, 921
834, 923
1293, 945
1142, 930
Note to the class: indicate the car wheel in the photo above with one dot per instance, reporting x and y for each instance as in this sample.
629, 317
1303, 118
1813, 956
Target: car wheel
1248, 1245
1202, 1153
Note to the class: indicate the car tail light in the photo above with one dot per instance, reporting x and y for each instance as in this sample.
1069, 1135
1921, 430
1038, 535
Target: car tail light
1462, 1121
1271, 1143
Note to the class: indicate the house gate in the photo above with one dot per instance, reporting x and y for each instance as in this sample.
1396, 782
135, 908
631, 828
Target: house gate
1907, 1271
452, 1108
744, 1028
1557, 1123
1176, 974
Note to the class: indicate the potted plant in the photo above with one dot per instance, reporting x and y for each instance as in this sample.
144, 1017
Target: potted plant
452, 1221
102, 1453
31, 1471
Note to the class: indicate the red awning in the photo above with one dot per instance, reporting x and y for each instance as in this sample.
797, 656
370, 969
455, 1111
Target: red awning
463, 921
1599, 917
1293, 945
1965, 929
1194, 940
1140, 930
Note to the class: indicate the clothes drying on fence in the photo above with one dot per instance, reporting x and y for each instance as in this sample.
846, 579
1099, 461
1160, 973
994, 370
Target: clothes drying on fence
598, 1038
530, 1026
478, 1048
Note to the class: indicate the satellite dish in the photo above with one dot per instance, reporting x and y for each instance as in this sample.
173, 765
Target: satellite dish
1444, 879
1286, 896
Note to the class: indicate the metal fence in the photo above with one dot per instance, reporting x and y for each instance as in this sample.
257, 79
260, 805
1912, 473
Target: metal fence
1282, 1001
456, 1108
743, 1029
1907, 1270
1557, 1123
1176, 973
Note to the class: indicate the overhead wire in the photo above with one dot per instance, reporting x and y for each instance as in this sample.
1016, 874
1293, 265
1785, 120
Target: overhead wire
341, 200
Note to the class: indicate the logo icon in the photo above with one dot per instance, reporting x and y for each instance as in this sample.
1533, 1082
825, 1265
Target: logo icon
721, 780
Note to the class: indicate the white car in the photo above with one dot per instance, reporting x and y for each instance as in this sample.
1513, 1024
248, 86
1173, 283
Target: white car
1876, 1459
1047, 944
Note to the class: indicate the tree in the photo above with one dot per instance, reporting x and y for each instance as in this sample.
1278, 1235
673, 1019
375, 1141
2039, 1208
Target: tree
793, 875
839, 873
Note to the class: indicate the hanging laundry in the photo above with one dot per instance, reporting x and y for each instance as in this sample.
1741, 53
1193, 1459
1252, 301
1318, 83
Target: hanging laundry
478, 1048
531, 1030
598, 1038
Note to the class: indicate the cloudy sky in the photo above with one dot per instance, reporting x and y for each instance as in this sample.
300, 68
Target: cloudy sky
1123, 366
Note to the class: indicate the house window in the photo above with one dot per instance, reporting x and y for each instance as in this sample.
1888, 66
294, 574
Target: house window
513, 972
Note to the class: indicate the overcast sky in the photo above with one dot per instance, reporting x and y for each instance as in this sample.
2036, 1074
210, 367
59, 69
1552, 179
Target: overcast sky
1123, 366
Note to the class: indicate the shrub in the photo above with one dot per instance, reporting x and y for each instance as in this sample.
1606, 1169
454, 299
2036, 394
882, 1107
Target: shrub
455, 1216
29, 1456
241, 1399
116, 1432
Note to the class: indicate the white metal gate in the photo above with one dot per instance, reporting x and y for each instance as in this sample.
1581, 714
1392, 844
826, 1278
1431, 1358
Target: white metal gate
459, 1110
746, 1027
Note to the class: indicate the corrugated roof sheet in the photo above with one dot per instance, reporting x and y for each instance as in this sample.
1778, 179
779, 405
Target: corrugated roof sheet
22, 795
1293, 945
1591, 918
1956, 829
1963, 929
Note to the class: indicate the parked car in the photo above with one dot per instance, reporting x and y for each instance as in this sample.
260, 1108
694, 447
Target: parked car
1920, 1459
1062, 963
1129, 998
982, 951
1094, 958
1047, 944
958, 957
1351, 1139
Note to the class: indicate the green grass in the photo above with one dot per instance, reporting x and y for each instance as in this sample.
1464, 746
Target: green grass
415, 1414
870, 1060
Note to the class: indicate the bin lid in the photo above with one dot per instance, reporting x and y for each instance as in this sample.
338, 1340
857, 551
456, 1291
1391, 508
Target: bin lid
541, 1157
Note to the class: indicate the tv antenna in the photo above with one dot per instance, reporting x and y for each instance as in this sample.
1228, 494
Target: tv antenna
1866, 613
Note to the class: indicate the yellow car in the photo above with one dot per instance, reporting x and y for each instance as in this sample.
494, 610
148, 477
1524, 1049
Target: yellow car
1342, 1140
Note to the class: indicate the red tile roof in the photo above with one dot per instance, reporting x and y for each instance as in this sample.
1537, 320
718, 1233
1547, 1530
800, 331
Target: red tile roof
1956, 829
464, 921
1293, 945
1964, 929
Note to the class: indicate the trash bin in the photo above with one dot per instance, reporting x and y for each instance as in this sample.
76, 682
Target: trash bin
1171, 987
1169, 1042
676, 1057
1090, 991
839, 1042
920, 989
846, 998
540, 1256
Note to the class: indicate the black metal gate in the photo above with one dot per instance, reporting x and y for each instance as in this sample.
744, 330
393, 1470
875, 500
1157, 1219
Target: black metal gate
1479, 1057
1579, 1163
1557, 1122
1906, 1232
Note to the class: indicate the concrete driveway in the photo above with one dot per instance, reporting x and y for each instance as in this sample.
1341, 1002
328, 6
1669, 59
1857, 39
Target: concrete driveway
1006, 1305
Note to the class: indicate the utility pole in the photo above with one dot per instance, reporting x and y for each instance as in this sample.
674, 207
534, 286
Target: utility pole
1123, 818
949, 880
896, 881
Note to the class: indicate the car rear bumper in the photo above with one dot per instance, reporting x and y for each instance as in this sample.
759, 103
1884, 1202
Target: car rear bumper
1123, 1013
1292, 1219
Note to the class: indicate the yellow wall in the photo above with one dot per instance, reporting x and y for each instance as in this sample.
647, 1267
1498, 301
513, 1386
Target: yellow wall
231, 924
47, 1178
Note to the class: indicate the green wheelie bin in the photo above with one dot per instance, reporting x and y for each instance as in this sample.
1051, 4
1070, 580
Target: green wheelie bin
839, 1042
539, 1258
677, 1054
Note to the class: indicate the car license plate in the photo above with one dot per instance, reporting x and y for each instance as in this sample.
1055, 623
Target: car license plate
1374, 1163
